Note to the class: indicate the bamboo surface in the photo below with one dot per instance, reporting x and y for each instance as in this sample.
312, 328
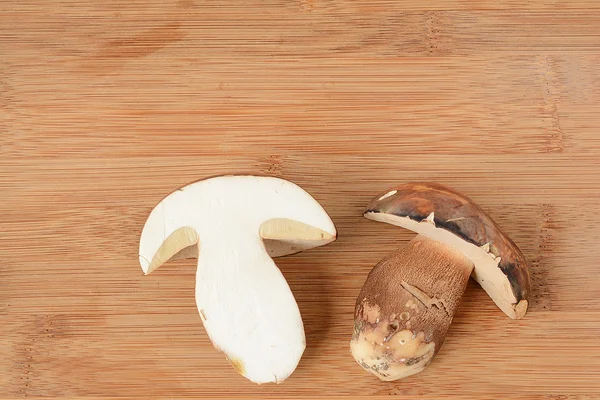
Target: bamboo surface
107, 106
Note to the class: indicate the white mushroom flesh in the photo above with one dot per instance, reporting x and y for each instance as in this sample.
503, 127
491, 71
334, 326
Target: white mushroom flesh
244, 301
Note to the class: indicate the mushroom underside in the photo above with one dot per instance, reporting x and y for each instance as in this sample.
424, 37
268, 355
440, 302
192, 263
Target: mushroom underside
281, 237
486, 269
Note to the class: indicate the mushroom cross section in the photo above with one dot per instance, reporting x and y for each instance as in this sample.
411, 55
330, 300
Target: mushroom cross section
409, 298
235, 225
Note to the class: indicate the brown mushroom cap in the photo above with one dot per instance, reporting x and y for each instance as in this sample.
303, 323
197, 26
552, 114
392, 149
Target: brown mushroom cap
442, 214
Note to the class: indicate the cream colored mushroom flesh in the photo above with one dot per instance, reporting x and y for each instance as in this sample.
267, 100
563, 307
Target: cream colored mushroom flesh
235, 224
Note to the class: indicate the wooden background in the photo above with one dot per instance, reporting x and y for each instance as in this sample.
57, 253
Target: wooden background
107, 106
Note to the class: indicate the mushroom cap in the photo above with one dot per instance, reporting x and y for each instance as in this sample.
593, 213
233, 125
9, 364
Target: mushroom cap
286, 217
445, 215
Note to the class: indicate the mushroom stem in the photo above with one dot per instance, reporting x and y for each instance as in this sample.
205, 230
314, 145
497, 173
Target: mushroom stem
402, 314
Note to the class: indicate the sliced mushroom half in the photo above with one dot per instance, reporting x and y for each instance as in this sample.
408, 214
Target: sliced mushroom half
235, 225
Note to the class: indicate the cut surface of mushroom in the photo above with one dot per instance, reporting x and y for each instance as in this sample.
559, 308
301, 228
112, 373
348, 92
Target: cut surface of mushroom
426, 279
235, 225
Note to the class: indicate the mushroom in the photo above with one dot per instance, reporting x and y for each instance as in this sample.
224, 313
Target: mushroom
409, 298
235, 224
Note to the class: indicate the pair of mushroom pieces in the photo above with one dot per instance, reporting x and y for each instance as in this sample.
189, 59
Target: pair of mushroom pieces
236, 224
409, 298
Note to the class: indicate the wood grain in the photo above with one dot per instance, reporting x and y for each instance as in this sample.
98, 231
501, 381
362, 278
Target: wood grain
107, 106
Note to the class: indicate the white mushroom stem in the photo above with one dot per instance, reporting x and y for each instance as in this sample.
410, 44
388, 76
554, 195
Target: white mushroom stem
249, 311
233, 224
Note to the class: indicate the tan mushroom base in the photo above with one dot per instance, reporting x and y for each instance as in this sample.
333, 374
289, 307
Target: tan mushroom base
406, 353
406, 306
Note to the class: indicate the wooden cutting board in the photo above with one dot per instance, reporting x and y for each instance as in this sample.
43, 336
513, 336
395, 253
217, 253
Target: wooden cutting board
107, 106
